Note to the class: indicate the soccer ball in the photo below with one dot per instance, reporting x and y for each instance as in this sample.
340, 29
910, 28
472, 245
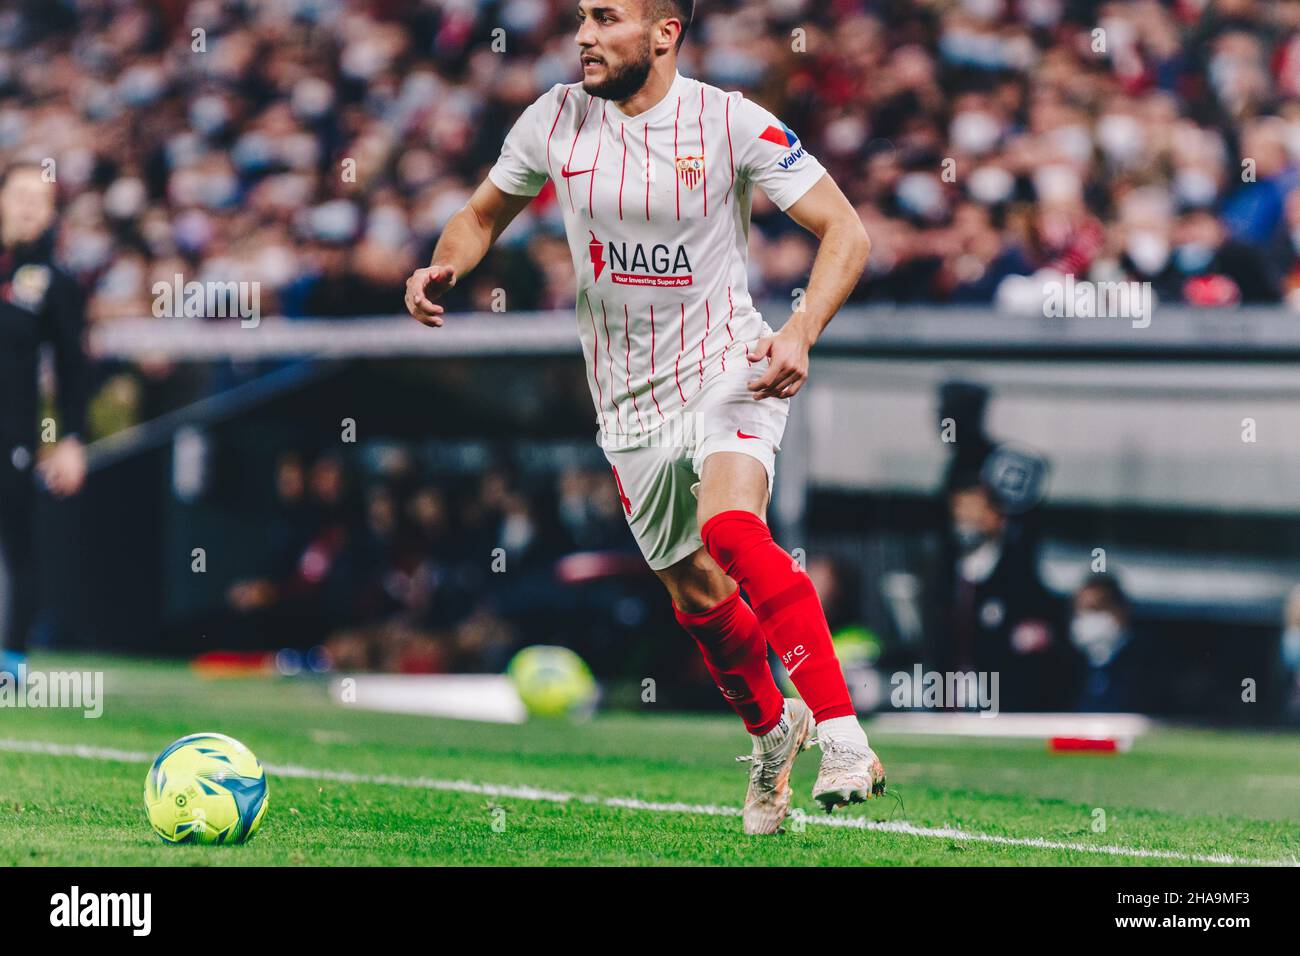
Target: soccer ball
206, 788
553, 682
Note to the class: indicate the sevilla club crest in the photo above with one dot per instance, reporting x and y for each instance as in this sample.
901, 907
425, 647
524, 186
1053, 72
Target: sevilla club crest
690, 170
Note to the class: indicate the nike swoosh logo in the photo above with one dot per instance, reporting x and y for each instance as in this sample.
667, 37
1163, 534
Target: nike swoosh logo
740, 434
568, 173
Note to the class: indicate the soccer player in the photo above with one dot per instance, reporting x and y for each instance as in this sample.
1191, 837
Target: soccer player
655, 175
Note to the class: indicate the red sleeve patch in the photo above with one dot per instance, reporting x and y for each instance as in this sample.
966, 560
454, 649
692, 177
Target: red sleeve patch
774, 135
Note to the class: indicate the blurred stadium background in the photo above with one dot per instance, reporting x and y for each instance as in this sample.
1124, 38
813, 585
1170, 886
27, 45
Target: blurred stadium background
376, 554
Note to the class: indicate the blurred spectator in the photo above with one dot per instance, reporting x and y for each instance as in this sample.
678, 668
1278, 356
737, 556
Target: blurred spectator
1253, 213
589, 512
1217, 270
1118, 674
990, 611
978, 257
995, 614
313, 584
1289, 658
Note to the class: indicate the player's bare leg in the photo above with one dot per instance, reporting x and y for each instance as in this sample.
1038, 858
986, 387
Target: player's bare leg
732, 505
710, 608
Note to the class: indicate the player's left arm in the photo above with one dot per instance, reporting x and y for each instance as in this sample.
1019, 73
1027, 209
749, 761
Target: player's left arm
841, 255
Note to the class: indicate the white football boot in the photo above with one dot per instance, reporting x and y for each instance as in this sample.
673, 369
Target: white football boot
850, 773
769, 796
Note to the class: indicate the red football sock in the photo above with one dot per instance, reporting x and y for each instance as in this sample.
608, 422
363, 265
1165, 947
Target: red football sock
735, 653
786, 606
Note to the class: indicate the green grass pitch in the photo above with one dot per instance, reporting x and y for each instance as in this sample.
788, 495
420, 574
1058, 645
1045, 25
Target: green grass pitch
362, 788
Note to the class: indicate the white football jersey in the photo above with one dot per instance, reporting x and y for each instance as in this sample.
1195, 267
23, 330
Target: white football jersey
656, 208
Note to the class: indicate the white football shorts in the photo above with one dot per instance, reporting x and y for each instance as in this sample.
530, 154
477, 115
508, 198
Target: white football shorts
658, 475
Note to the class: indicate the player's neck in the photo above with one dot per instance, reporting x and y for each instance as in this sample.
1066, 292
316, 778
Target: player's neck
654, 89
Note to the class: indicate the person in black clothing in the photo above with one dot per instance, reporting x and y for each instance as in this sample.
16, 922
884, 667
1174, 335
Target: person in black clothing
989, 610
1214, 269
995, 613
962, 407
39, 304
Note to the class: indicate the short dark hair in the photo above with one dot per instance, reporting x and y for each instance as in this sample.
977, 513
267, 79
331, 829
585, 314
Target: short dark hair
1108, 583
683, 10
968, 477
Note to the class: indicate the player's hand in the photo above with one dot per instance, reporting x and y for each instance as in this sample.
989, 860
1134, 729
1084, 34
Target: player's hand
423, 288
64, 468
787, 370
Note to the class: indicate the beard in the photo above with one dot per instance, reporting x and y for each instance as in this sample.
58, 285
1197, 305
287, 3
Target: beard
625, 80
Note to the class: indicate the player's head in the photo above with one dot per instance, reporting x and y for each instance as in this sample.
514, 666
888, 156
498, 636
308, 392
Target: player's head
621, 40
27, 203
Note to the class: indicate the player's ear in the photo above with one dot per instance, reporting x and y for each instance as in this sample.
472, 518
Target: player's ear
664, 34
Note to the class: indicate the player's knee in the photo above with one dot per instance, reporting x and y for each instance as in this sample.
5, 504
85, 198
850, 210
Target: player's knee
696, 584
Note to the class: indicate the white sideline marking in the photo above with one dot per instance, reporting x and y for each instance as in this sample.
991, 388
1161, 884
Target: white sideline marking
631, 803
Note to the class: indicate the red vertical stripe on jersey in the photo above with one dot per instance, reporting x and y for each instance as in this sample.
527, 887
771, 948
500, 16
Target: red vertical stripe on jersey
651, 380
591, 180
704, 157
676, 177
645, 129
622, 172
703, 340
568, 180
564, 99
731, 157
604, 316
730, 338
627, 365
595, 372
677, 366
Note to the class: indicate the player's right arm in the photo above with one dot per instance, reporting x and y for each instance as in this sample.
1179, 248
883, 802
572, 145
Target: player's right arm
512, 183
462, 246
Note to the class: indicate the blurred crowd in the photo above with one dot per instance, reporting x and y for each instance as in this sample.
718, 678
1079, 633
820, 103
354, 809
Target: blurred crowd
388, 568
379, 561
383, 563
318, 146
